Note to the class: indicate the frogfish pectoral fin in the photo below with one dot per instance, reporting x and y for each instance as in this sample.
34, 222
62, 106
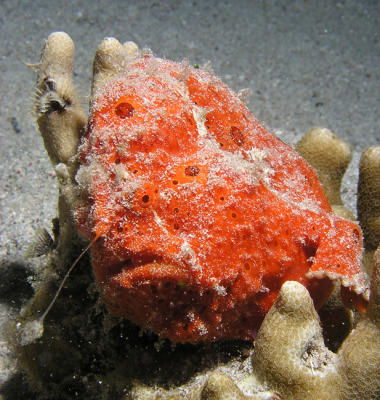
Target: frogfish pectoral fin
339, 257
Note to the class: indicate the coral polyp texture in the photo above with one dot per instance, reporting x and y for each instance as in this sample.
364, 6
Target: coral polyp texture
204, 226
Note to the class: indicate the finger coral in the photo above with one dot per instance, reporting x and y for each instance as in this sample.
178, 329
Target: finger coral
369, 196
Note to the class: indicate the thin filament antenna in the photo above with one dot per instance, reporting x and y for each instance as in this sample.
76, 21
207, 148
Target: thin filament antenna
84, 251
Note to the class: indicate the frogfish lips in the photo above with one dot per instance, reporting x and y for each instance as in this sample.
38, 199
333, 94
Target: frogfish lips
202, 213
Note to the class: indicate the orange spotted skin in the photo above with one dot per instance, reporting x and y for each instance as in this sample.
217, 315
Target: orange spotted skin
202, 213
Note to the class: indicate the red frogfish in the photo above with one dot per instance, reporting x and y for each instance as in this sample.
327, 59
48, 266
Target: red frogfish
202, 214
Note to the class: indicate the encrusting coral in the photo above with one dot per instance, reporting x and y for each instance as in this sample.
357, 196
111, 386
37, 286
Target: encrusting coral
134, 189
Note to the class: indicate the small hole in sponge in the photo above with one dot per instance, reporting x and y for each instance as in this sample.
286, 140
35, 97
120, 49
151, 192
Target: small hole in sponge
356, 234
145, 198
124, 110
192, 170
233, 215
175, 182
237, 136
310, 247
176, 226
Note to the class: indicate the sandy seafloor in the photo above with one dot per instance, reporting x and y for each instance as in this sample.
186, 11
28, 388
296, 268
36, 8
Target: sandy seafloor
307, 63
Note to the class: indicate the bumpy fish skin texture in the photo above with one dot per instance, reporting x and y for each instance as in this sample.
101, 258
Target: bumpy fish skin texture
202, 213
